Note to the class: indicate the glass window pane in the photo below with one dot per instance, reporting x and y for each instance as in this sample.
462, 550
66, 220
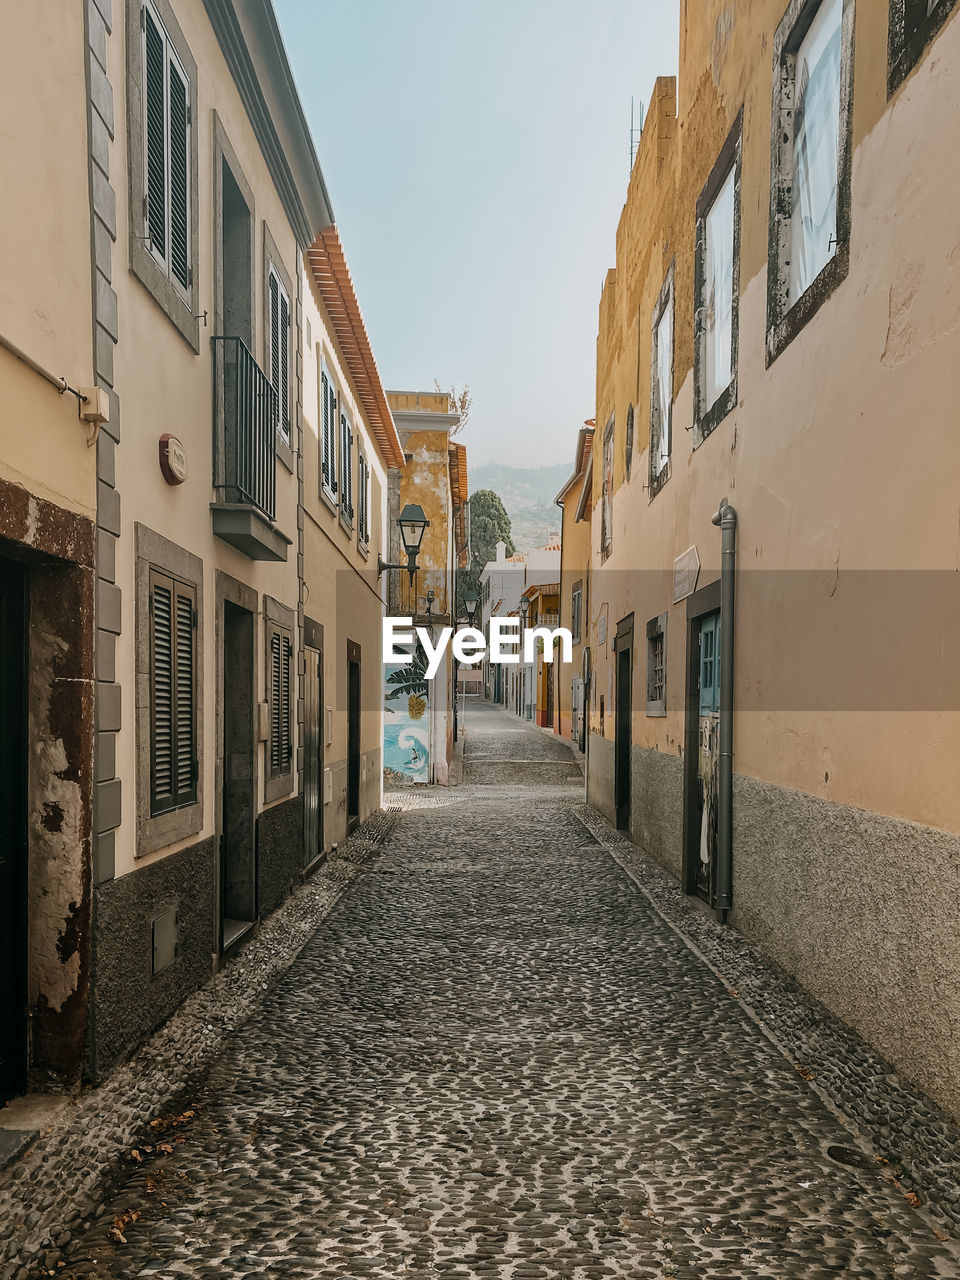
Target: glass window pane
813, 223
717, 350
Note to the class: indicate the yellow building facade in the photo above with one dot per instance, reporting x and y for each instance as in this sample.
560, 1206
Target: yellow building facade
774, 345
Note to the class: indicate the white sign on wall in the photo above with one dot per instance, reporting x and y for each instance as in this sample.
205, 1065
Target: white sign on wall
686, 571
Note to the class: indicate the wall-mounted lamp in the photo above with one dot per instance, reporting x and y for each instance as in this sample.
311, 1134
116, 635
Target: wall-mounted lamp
412, 523
470, 602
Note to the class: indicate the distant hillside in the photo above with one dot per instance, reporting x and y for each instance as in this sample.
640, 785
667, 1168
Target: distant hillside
528, 494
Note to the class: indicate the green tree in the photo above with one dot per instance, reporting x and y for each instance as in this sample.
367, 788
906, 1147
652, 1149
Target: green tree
489, 524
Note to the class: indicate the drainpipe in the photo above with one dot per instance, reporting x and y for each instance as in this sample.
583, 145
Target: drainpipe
726, 518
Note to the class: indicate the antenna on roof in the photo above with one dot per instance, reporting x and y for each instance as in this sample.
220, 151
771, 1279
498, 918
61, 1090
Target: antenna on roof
636, 129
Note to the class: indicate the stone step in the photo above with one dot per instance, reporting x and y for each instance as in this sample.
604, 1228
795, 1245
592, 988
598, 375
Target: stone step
533, 772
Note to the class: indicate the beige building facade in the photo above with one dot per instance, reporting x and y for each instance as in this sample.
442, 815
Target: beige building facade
575, 501
775, 343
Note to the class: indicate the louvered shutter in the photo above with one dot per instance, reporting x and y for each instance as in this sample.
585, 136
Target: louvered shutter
161, 694
332, 428
275, 680
179, 152
155, 148
173, 693
274, 333
283, 389
185, 696
324, 441
286, 738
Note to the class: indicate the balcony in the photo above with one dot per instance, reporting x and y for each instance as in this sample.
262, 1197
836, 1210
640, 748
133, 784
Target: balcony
245, 456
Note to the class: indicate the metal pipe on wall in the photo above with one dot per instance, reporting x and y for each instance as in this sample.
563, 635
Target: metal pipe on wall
726, 518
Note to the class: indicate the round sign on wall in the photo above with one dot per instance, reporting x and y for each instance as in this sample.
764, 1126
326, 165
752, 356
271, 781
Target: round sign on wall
173, 459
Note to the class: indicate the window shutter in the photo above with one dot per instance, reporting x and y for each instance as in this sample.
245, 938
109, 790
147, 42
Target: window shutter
161, 693
332, 426
276, 665
283, 389
286, 737
155, 135
185, 697
274, 333
179, 151
324, 442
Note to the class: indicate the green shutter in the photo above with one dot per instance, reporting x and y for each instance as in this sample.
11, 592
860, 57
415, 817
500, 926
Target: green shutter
155, 135
324, 427
185, 697
161, 694
283, 388
179, 152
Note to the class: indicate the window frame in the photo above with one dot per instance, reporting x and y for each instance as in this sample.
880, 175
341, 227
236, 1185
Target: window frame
328, 420
628, 440
576, 611
346, 438
156, 556
363, 500
273, 266
730, 160
656, 700
666, 298
178, 303
785, 319
280, 781
607, 486
907, 39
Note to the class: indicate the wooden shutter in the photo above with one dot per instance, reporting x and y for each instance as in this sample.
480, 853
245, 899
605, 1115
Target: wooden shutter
161, 694
346, 466
173, 693
283, 390
179, 180
155, 130
324, 426
274, 332
332, 437
280, 650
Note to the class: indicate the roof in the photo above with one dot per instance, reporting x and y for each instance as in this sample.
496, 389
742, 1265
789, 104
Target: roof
249, 36
584, 450
585, 501
328, 265
542, 589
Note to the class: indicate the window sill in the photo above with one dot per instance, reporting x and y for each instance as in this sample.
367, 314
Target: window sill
708, 422
907, 51
162, 829
346, 523
364, 549
284, 452
657, 482
247, 529
784, 326
277, 787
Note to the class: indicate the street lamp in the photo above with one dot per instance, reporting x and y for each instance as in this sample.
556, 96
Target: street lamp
412, 523
524, 611
470, 602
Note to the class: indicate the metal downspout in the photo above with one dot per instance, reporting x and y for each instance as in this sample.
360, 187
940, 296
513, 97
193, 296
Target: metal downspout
726, 518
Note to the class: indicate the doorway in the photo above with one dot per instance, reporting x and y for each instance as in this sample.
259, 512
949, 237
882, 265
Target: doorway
238, 888
353, 735
702, 744
13, 830
623, 722
312, 754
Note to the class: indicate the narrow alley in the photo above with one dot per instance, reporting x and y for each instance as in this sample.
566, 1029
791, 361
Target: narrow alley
495, 1059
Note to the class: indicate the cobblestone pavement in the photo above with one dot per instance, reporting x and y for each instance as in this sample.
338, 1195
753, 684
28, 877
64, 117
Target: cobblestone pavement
495, 1059
494, 734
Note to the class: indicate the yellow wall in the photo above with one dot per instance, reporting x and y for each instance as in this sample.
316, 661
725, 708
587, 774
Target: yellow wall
45, 284
821, 480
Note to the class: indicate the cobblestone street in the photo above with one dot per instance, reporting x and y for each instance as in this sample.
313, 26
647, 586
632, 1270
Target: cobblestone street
496, 1059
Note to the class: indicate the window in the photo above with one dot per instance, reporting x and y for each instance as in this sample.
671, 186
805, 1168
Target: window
606, 501
576, 611
657, 666
810, 195
278, 361
166, 151
363, 500
162, 158
661, 383
717, 290
279, 684
913, 24
346, 467
173, 693
628, 443
328, 436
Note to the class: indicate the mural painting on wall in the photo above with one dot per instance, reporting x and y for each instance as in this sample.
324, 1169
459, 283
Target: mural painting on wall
406, 722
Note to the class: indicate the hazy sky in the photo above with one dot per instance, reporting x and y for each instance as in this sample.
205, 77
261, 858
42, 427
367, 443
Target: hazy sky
477, 157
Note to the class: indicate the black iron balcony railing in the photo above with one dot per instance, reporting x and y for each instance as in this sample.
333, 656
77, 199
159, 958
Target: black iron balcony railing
245, 423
